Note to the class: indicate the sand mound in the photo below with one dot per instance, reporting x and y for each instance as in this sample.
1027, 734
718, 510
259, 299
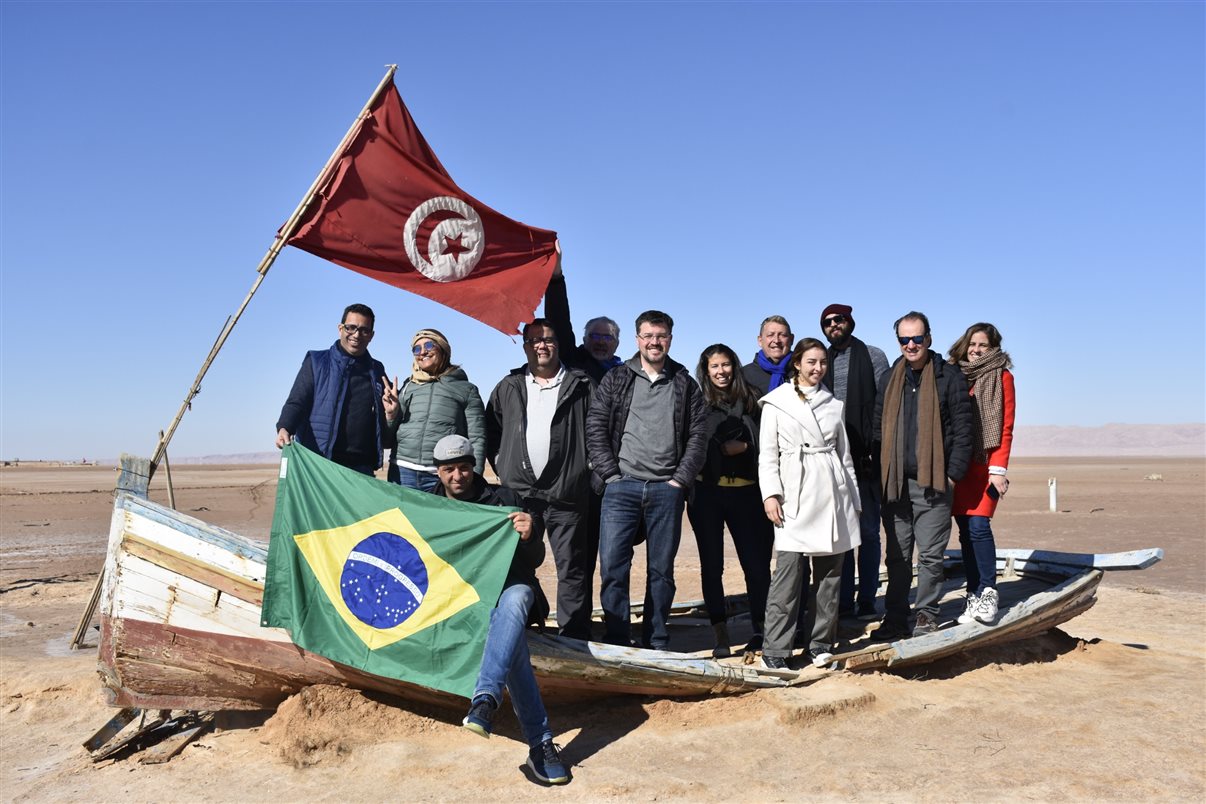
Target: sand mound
324, 723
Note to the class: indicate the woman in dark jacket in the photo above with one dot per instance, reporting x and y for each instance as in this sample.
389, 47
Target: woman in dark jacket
727, 493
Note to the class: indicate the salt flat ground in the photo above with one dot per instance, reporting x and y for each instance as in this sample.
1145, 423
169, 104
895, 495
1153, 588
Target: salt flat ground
1111, 707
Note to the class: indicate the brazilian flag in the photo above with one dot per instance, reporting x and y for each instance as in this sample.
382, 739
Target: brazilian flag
396, 582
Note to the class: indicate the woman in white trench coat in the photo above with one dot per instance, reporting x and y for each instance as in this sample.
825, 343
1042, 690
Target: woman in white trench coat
811, 495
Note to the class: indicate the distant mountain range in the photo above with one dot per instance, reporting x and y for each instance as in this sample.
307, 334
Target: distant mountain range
1164, 440
1032, 441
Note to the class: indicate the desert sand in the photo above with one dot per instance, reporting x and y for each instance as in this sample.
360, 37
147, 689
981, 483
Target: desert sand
1111, 706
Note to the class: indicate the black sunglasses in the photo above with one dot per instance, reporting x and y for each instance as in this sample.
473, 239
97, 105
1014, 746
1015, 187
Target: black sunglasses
917, 339
834, 319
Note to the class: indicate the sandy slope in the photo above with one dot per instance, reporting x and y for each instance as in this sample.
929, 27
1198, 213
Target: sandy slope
1113, 709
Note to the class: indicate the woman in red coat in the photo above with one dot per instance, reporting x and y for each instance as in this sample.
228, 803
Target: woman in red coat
978, 354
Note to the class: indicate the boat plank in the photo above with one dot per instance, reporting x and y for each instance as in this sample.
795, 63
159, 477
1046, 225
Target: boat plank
254, 551
154, 593
219, 579
146, 525
1121, 561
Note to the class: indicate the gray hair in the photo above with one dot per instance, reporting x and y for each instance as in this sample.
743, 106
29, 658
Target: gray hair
615, 328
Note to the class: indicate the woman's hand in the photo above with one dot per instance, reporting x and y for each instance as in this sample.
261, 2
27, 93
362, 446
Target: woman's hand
389, 399
774, 510
1000, 483
522, 522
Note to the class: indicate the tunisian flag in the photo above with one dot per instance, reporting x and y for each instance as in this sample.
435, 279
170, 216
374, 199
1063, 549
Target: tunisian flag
390, 211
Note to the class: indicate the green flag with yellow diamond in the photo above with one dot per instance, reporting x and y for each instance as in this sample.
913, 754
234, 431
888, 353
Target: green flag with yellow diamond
396, 582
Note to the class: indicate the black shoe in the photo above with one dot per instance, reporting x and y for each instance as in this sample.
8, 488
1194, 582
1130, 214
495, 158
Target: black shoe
545, 762
481, 715
888, 631
867, 613
754, 645
774, 662
619, 642
924, 624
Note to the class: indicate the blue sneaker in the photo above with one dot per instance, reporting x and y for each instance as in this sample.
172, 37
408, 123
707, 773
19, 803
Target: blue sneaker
545, 762
481, 715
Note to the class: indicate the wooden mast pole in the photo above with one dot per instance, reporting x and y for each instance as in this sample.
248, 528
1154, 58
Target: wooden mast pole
278, 243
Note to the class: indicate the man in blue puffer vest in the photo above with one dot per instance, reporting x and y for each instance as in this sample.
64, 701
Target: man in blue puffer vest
336, 406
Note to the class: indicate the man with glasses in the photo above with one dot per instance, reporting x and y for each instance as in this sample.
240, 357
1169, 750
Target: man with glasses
646, 438
768, 370
536, 442
923, 421
853, 376
336, 407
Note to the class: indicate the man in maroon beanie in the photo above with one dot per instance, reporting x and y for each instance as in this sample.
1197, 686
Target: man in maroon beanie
853, 375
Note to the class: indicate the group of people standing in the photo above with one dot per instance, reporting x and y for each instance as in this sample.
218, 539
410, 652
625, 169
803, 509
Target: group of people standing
796, 453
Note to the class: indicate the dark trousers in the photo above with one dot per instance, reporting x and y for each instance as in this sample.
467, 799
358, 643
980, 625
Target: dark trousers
591, 559
868, 553
922, 518
567, 538
740, 507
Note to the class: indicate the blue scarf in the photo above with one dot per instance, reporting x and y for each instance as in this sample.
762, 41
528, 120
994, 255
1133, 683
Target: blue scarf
777, 371
610, 363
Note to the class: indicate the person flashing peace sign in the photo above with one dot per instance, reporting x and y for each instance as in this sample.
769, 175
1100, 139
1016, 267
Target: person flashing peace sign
435, 401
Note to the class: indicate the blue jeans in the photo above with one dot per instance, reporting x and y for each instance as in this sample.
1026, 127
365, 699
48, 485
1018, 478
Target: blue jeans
979, 552
506, 663
626, 502
868, 554
412, 479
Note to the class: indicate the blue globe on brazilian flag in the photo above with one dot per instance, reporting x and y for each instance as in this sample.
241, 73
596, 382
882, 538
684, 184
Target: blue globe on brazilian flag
392, 581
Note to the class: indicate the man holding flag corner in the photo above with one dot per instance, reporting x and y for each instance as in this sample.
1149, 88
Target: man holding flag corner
506, 663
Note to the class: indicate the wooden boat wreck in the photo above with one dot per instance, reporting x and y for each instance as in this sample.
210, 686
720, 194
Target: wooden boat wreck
180, 625
1039, 590
180, 629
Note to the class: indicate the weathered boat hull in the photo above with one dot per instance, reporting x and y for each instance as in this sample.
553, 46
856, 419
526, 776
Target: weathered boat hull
180, 625
180, 629
1024, 618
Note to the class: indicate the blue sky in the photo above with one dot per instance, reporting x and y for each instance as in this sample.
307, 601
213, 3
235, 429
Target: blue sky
1037, 165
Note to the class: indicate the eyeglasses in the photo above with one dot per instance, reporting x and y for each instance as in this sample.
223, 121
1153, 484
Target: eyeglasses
547, 340
600, 337
834, 319
917, 339
352, 329
650, 337
423, 348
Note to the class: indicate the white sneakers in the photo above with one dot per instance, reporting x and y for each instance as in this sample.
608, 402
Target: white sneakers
986, 607
982, 609
969, 611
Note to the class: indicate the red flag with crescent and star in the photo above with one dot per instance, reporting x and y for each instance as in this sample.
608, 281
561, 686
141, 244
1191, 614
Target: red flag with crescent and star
391, 212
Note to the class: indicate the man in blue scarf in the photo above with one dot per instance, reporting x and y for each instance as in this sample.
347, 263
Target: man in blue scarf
769, 368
